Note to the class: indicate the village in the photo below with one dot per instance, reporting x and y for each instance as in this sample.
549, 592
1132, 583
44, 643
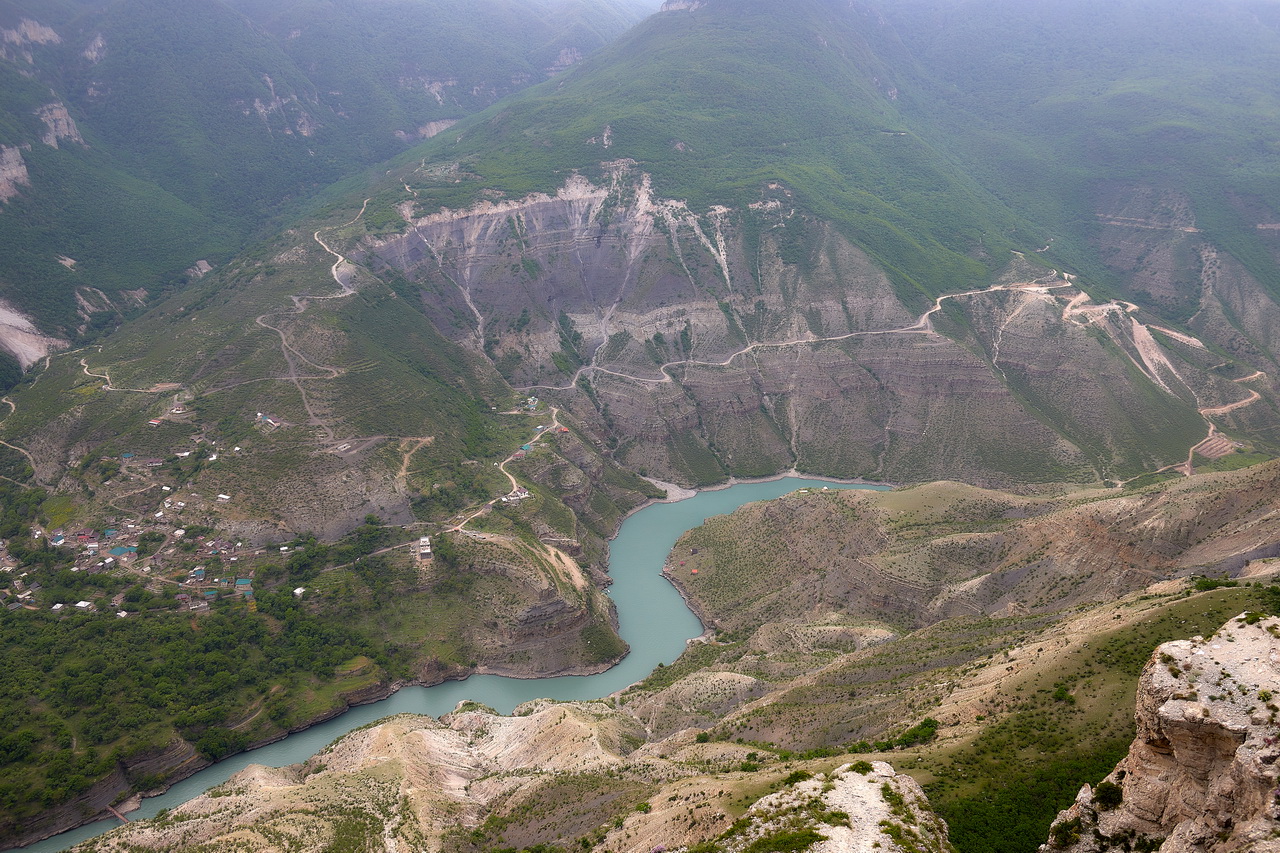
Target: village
185, 566
170, 556
169, 550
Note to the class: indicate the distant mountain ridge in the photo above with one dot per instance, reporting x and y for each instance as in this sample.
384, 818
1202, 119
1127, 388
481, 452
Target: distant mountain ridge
195, 123
747, 238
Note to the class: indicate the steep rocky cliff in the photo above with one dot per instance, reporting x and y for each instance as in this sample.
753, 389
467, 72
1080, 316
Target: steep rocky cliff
705, 346
13, 172
1201, 775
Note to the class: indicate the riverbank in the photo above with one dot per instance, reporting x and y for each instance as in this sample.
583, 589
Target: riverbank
680, 493
793, 474
653, 615
709, 626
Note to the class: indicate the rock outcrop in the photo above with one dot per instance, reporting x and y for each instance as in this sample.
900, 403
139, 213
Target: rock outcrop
13, 172
855, 809
15, 43
1201, 776
398, 785
59, 125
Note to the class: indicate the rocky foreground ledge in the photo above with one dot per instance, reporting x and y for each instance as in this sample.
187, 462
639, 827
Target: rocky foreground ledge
1201, 776
1202, 772
412, 783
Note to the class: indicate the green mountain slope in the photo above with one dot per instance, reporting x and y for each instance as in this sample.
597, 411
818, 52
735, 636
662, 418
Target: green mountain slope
201, 121
717, 102
389, 69
1050, 103
738, 240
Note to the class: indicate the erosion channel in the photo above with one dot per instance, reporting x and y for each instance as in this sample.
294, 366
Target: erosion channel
652, 618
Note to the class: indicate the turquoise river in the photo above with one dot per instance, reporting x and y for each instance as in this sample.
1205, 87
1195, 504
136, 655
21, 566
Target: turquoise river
652, 618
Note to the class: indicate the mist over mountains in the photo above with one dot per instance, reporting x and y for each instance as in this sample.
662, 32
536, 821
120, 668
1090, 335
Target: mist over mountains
318, 278
183, 128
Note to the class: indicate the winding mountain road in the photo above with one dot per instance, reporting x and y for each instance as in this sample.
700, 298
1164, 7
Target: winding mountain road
292, 355
924, 325
1078, 310
12, 409
502, 466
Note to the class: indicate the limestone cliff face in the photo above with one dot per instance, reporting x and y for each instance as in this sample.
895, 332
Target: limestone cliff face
13, 172
706, 344
59, 125
1201, 776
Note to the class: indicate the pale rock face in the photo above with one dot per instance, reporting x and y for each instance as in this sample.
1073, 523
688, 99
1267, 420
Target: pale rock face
14, 43
879, 806
31, 32
59, 125
569, 57
291, 114
13, 172
200, 270
96, 50
681, 5
20, 338
428, 130
1202, 772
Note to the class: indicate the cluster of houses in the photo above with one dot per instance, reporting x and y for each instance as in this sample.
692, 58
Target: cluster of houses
96, 552
22, 593
115, 550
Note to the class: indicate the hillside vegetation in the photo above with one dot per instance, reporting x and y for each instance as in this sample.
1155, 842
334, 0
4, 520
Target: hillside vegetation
194, 125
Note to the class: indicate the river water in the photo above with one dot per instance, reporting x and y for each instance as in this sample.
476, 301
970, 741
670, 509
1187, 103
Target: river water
652, 618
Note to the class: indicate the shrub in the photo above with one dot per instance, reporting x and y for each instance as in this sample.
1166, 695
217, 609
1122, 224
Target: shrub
785, 842
1203, 584
1107, 795
1066, 833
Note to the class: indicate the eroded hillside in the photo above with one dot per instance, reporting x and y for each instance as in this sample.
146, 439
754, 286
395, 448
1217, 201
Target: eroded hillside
1001, 710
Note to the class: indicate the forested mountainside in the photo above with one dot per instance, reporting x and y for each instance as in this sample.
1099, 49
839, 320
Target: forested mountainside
143, 136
